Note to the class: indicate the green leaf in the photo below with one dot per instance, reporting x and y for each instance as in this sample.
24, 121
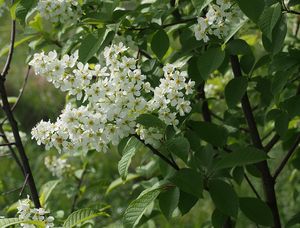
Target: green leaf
91, 44
257, 211
292, 106
179, 146
199, 5
268, 19
129, 151
81, 216
240, 157
279, 81
278, 37
8, 222
137, 207
210, 61
234, 28
149, 120
282, 123
186, 202
218, 219
235, 90
193, 70
160, 43
189, 181
293, 221
210, 132
118, 182
46, 191
238, 47
23, 8
168, 201
253, 9
224, 197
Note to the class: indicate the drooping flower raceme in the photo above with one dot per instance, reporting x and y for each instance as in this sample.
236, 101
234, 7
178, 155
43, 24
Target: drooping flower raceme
64, 11
25, 212
218, 20
111, 96
56, 165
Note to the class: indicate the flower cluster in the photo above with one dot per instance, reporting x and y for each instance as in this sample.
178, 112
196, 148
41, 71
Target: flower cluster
64, 11
112, 97
56, 165
218, 20
25, 212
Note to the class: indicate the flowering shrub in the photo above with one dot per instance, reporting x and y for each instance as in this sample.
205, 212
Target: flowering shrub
194, 104
115, 96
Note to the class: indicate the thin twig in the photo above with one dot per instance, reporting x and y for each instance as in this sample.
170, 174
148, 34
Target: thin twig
11, 49
272, 143
24, 185
286, 158
13, 153
252, 186
8, 144
22, 89
157, 153
11, 191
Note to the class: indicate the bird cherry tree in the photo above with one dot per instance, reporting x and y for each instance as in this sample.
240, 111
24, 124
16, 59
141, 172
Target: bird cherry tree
203, 94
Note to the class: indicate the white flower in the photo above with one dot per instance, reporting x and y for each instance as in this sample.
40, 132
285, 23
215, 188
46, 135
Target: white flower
218, 20
114, 96
64, 11
25, 212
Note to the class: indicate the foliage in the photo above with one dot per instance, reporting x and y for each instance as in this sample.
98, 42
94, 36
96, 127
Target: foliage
226, 155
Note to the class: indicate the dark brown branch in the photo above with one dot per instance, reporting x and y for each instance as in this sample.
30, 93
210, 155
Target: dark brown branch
22, 89
267, 179
157, 153
272, 143
11, 49
291, 11
19, 145
252, 186
24, 185
13, 153
8, 144
286, 158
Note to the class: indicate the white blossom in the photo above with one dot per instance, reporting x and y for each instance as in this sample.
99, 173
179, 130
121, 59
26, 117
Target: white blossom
63, 11
25, 212
218, 20
111, 97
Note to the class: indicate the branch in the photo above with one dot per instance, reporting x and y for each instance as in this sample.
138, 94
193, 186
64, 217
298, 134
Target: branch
287, 157
272, 143
157, 153
267, 179
13, 153
8, 144
11, 49
22, 89
252, 186
19, 144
